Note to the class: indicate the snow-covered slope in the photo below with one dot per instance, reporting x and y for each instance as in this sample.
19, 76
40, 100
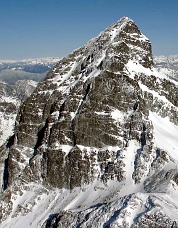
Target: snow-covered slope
95, 144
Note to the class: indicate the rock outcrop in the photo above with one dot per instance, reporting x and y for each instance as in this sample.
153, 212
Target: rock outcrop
91, 125
11, 96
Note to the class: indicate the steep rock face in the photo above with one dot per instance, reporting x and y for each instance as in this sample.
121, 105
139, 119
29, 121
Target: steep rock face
11, 96
76, 103
93, 124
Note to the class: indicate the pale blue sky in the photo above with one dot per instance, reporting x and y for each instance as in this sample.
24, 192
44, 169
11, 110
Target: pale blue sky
54, 28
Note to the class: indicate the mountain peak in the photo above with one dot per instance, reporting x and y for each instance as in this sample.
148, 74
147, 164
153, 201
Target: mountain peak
124, 38
113, 48
88, 141
124, 20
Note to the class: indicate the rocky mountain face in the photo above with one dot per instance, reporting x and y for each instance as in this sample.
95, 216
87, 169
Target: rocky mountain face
95, 144
167, 65
18, 79
11, 96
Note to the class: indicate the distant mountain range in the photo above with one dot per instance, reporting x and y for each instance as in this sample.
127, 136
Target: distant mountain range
27, 69
167, 65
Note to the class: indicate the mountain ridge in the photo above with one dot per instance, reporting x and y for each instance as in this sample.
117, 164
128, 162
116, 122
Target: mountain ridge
87, 149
